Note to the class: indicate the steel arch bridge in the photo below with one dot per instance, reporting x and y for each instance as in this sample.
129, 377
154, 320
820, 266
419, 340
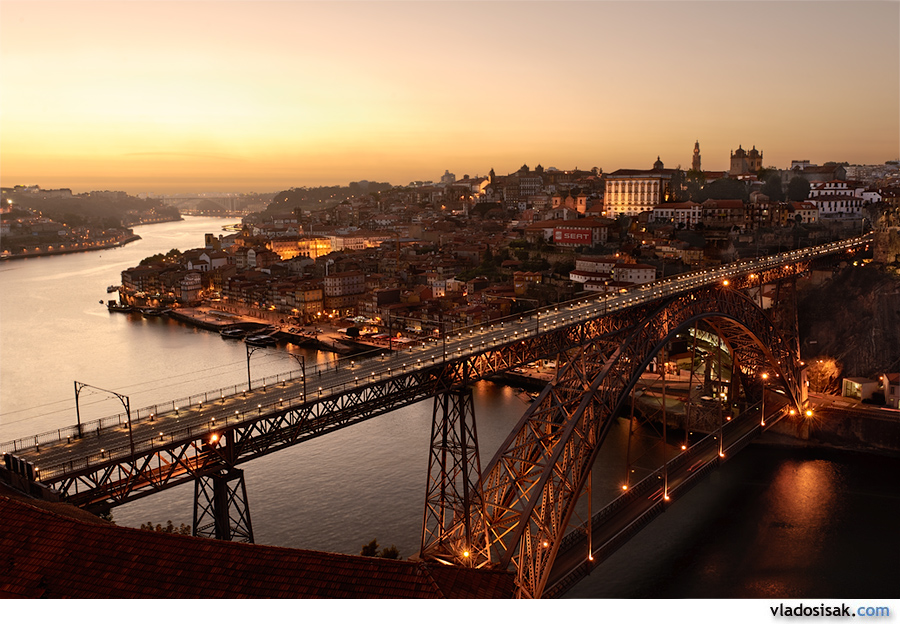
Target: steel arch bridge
515, 513
520, 510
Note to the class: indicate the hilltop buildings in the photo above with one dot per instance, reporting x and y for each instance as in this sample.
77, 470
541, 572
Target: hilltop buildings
471, 249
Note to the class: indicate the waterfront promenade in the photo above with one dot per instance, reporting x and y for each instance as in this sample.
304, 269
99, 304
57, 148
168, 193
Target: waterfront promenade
51, 250
322, 336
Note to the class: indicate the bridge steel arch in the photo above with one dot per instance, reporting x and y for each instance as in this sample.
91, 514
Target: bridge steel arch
531, 486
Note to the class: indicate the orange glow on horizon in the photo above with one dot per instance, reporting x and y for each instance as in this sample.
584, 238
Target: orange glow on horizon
95, 98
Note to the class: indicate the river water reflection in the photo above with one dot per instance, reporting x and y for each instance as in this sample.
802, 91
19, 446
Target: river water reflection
772, 522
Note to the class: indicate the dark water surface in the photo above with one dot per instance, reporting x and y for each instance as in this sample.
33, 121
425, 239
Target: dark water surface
773, 522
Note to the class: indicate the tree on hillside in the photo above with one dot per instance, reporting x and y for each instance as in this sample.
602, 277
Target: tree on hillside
170, 528
694, 181
678, 190
370, 549
772, 184
798, 189
725, 188
824, 374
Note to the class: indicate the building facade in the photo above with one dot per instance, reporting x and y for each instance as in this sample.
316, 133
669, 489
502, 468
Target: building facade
744, 162
633, 191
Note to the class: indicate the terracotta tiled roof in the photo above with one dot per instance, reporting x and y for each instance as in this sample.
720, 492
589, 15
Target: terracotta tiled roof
47, 555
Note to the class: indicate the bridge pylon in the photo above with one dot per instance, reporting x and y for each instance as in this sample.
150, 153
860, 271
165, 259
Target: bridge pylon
221, 510
453, 495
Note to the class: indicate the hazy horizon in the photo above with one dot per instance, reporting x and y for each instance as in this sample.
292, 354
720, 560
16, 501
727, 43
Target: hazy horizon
237, 96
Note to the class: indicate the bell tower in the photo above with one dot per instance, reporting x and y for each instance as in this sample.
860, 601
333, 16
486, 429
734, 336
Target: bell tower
695, 163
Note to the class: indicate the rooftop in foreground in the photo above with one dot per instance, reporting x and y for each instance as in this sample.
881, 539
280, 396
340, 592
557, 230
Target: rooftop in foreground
51, 552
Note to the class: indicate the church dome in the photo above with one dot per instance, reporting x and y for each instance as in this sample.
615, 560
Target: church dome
658, 164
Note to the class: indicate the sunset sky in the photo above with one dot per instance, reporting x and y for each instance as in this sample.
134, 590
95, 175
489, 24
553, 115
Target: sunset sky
168, 96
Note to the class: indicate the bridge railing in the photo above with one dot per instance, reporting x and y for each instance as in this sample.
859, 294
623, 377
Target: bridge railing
92, 426
182, 435
514, 321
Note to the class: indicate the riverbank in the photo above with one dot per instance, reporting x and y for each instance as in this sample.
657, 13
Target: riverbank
73, 249
838, 423
860, 430
321, 337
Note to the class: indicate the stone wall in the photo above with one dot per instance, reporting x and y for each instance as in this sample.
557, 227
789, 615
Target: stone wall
848, 429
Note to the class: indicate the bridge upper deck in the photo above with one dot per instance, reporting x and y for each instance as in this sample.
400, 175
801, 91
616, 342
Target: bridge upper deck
339, 394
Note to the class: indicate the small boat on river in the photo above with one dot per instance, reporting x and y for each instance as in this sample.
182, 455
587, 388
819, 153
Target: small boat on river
260, 340
115, 306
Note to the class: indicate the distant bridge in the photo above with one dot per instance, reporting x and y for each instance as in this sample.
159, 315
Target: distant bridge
188, 203
517, 513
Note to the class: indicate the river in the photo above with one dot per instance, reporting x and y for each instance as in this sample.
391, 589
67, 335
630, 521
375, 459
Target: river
773, 522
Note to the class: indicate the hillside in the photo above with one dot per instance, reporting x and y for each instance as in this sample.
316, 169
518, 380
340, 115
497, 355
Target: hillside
855, 319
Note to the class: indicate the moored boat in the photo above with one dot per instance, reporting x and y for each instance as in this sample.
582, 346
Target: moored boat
114, 306
260, 340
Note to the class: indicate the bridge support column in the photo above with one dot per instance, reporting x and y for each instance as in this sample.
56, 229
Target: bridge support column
453, 492
221, 510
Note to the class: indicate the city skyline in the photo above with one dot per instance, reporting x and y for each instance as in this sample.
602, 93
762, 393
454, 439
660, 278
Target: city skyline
260, 96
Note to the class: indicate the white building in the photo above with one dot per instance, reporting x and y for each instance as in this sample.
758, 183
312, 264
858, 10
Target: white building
689, 213
891, 383
633, 191
634, 273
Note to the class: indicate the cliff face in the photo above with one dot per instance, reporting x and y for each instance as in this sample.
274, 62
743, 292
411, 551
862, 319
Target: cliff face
854, 318
887, 244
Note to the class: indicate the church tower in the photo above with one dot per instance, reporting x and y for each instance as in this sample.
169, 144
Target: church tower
695, 164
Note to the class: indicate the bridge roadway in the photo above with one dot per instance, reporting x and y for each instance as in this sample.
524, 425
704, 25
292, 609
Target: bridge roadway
182, 440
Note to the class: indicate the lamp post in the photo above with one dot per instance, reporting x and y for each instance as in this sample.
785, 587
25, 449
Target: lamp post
250, 351
301, 359
126, 403
762, 420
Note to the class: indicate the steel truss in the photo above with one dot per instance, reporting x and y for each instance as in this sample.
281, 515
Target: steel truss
221, 510
531, 485
454, 468
109, 478
104, 479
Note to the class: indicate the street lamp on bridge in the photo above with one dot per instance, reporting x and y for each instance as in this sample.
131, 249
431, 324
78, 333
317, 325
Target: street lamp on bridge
250, 351
126, 403
301, 360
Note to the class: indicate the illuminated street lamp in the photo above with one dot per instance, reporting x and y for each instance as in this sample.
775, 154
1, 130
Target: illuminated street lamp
126, 402
762, 420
